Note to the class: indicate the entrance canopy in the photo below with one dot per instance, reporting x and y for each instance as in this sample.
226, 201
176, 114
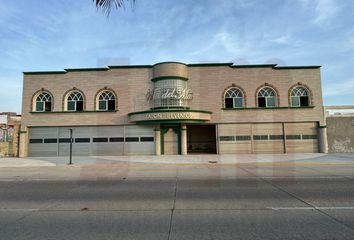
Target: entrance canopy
170, 116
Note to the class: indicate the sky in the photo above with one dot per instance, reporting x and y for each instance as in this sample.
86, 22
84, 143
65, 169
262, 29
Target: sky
41, 35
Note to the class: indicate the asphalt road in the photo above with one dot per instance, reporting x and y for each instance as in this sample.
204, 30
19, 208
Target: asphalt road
147, 201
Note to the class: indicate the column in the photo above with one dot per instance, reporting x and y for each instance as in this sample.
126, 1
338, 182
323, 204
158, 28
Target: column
322, 139
184, 139
23, 151
157, 140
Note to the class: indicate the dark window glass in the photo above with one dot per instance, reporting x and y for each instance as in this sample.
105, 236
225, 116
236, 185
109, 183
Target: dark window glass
48, 106
111, 105
132, 139
293, 137
102, 105
36, 140
64, 140
238, 102
227, 138
100, 139
79, 105
229, 103
50, 140
260, 137
261, 102
71, 106
243, 138
304, 101
146, 139
309, 136
116, 139
82, 140
39, 106
276, 137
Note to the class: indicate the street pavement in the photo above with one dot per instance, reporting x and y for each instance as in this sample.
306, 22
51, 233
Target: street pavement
303, 199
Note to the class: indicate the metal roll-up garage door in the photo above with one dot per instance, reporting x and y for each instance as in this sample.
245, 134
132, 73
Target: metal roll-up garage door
234, 138
81, 143
301, 137
268, 138
92, 141
107, 140
139, 140
43, 142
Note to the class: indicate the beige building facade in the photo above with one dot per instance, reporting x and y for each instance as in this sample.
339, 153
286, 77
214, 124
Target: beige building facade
173, 108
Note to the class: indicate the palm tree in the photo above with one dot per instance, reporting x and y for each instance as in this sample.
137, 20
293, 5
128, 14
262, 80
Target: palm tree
108, 5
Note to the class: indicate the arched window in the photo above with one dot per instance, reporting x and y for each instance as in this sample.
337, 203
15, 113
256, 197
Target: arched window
106, 101
43, 102
75, 101
267, 97
300, 97
233, 98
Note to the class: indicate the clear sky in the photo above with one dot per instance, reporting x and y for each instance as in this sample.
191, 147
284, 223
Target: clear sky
56, 34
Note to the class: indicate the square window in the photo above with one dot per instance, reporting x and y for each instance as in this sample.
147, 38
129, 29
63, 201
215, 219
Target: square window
71, 106
229, 103
238, 102
295, 102
304, 101
102, 105
261, 102
39, 106
270, 101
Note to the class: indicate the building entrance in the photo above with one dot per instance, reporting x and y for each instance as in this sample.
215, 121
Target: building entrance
201, 139
170, 140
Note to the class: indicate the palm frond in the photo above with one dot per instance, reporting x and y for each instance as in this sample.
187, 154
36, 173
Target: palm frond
108, 5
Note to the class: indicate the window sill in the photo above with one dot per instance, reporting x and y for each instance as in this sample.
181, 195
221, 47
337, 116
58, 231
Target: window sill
267, 108
96, 111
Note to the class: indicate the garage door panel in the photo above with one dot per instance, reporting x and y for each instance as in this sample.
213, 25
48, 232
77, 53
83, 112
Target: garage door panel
43, 149
267, 129
268, 147
301, 128
302, 146
233, 148
43, 142
137, 148
234, 129
107, 149
108, 131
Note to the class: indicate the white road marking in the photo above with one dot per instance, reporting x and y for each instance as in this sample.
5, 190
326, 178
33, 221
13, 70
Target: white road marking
19, 209
311, 208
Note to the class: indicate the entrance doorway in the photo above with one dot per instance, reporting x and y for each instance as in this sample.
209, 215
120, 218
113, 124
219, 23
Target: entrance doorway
201, 139
170, 140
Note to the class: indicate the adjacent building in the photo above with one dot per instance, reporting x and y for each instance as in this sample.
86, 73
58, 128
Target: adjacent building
173, 108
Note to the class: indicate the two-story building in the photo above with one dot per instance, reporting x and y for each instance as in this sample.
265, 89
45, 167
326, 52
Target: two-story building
173, 108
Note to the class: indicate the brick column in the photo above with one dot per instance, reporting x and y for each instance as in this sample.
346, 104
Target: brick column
184, 139
157, 141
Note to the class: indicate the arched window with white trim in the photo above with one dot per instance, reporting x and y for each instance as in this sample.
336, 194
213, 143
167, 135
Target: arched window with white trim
75, 101
267, 97
300, 97
106, 101
43, 102
233, 98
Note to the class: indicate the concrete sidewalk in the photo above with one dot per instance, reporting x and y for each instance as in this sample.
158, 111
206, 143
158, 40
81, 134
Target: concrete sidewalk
178, 159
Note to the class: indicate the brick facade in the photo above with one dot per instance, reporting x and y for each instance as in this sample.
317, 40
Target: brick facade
207, 81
